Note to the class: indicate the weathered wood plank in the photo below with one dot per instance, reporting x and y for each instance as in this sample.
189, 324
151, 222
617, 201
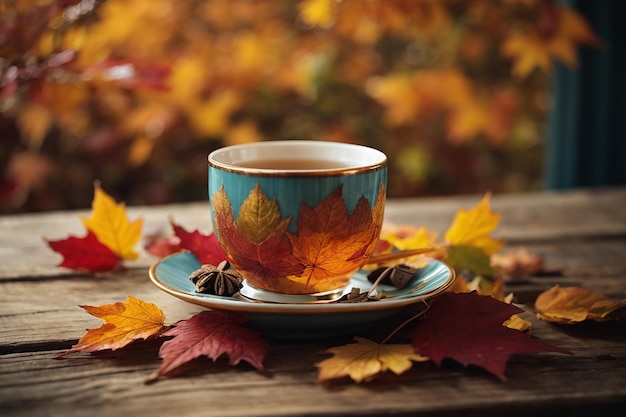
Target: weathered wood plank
112, 384
50, 311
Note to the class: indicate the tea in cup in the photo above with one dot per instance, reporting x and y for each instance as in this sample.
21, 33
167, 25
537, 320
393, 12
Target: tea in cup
296, 216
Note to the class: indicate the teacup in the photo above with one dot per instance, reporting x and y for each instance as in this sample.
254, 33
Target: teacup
297, 216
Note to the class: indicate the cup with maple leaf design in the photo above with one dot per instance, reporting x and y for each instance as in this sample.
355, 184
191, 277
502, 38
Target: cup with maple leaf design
297, 217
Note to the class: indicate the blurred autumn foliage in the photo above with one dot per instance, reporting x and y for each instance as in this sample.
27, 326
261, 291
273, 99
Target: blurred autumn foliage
136, 93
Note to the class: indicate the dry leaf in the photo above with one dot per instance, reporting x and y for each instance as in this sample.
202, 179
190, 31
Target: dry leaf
474, 227
86, 253
109, 223
124, 323
468, 328
364, 360
517, 264
574, 304
211, 334
206, 247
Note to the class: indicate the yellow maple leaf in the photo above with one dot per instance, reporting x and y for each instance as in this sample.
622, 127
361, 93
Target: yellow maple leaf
259, 217
364, 360
405, 237
109, 223
123, 324
530, 50
474, 227
574, 304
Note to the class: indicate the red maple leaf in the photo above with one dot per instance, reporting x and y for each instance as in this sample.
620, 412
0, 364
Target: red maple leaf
211, 334
85, 253
261, 261
467, 327
206, 247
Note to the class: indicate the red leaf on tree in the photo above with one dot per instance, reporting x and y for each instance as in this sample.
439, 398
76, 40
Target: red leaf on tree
467, 327
85, 253
211, 334
206, 247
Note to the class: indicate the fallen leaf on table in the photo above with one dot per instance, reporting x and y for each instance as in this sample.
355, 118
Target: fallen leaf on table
123, 323
468, 328
568, 305
517, 264
211, 334
474, 227
110, 238
404, 237
86, 253
161, 246
206, 247
470, 258
365, 359
111, 226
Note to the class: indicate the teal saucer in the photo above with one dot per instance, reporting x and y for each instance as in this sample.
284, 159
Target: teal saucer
309, 320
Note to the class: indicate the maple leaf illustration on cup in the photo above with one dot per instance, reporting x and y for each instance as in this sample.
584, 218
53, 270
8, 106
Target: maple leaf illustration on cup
303, 224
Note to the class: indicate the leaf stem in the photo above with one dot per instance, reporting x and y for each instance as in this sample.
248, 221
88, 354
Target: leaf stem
407, 321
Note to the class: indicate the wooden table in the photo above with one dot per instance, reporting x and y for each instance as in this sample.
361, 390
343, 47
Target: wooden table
580, 233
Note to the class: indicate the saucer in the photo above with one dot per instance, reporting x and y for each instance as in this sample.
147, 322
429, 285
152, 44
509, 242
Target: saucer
308, 320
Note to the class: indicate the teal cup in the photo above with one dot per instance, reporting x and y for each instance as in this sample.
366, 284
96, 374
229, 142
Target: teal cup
297, 217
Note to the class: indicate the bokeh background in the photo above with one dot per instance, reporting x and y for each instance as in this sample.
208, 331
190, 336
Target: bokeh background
136, 93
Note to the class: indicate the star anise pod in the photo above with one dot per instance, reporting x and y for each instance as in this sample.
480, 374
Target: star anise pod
217, 280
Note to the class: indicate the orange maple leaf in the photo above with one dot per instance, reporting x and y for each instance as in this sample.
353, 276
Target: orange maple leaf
330, 241
109, 223
365, 359
124, 323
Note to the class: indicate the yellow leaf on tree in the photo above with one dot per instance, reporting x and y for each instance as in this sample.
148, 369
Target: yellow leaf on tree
245, 132
317, 12
109, 223
124, 323
211, 117
364, 360
574, 304
397, 94
474, 227
530, 50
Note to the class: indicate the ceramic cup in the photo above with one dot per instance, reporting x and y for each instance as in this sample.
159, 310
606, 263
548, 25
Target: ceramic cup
297, 216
